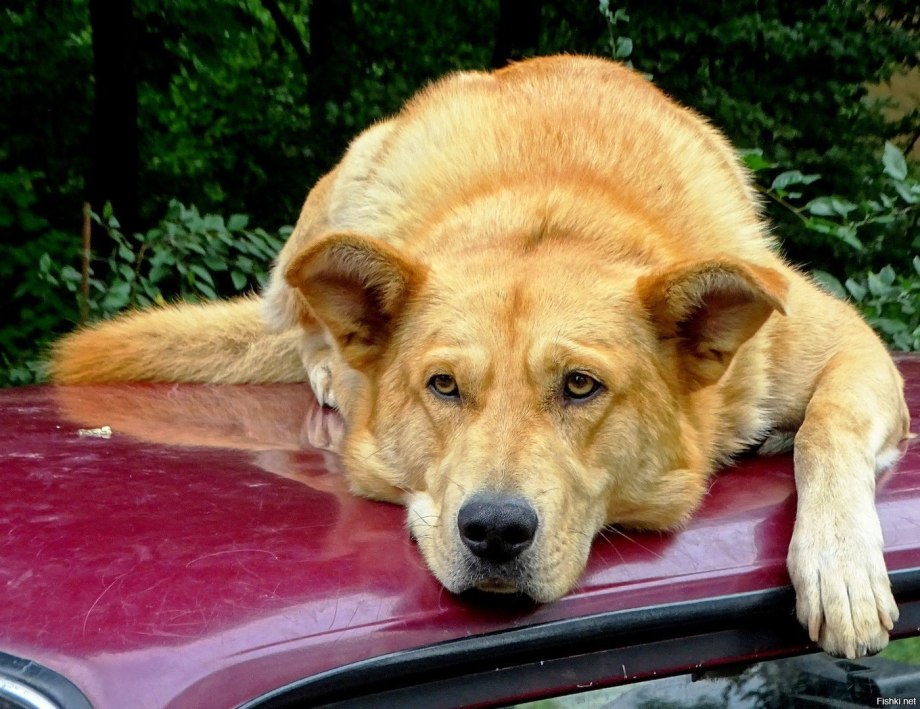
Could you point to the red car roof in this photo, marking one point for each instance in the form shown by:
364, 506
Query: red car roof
205, 553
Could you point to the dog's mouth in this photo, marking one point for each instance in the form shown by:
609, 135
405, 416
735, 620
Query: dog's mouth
499, 580
497, 585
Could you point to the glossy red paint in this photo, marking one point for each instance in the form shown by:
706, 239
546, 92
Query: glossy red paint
208, 551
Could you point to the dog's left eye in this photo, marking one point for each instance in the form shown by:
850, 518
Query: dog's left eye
444, 386
580, 386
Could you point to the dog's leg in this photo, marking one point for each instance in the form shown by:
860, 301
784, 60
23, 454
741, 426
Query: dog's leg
854, 421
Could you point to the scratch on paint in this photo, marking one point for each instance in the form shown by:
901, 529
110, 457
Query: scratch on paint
232, 551
101, 595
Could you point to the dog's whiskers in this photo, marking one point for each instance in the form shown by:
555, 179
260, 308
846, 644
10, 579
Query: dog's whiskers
546, 491
631, 539
425, 519
454, 482
609, 541
370, 455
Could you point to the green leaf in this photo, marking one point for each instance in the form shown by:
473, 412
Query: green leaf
126, 272
202, 273
894, 162
820, 207
857, 290
162, 257
877, 285
846, 234
887, 275
152, 236
792, 177
829, 283
213, 222
753, 159
917, 265
907, 194
215, 264
116, 298
196, 248
71, 275
889, 326
239, 279
237, 222
206, 290
842, 206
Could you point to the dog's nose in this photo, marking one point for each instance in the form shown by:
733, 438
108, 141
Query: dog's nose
497, 527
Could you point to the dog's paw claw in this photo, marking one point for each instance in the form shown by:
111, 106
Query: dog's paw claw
843, 596
320, 375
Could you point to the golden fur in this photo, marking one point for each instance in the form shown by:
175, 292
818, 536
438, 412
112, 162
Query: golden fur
501, 246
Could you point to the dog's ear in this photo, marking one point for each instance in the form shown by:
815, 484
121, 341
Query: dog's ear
710, 309
356, 287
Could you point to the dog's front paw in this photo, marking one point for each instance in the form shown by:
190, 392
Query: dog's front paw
843, 596
319, 360
320, 375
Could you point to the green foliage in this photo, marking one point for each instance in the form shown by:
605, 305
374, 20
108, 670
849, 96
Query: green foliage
187, 255
238, 113
792, 77
223, 110
877, 225
904, 650
39, 309
45, 104
619, 46
889, 301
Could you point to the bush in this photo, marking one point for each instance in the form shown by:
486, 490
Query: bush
889, 301
187, 255
793, 78
877, 221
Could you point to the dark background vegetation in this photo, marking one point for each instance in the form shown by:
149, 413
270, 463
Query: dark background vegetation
237, 106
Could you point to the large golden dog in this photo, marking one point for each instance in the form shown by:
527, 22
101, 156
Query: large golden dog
544, 301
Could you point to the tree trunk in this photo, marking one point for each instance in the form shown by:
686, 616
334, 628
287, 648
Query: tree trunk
289, 33
114, 139
333, 64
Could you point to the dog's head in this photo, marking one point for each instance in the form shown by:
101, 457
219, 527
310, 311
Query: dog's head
518, 402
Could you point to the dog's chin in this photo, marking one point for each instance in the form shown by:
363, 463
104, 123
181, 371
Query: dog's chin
515, 579
475, 580
506, 588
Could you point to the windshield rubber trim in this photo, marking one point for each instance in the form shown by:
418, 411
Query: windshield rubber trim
25, 683
764, 619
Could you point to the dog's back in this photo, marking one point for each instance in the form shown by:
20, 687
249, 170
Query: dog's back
552, 120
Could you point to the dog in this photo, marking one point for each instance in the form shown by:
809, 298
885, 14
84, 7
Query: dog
545, 301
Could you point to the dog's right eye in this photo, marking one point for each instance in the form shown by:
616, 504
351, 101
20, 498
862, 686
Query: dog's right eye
444, 386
